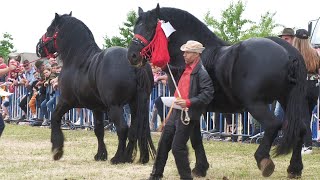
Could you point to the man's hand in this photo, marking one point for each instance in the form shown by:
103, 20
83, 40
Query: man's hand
181, 102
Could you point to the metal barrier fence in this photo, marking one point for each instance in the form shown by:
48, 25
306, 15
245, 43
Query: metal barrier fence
212, 124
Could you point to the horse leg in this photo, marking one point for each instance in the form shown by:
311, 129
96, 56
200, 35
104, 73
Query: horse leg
102, 153
262, 113
116, 116
295, 168
202, 165
131, 150
57, 138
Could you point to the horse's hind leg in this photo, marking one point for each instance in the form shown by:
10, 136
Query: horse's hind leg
295, 168
57, 138
262, 113
116, 115
131, 149
102, 153
202, 165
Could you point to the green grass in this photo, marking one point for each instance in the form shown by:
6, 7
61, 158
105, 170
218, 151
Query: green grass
26, 154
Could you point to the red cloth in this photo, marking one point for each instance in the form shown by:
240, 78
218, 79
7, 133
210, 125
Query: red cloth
184, 83
157, 49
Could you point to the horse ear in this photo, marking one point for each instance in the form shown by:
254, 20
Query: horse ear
70, 14
56, 17
158, 10
140, 11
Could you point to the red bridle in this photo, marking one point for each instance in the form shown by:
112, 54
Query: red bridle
46, 40
141, 39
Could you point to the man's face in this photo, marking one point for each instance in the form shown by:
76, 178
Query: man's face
27, 66
190, 57
54, 69
289, 39
52, 61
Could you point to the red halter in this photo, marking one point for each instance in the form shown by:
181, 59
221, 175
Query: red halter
157, 49
46, 40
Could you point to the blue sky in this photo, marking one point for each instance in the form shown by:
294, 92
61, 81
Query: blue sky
27, 21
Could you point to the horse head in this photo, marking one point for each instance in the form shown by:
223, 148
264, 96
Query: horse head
47, 45
144, 32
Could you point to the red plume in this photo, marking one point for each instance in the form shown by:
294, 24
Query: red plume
157, 49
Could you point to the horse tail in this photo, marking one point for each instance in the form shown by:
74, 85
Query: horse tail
296, 106
144, 88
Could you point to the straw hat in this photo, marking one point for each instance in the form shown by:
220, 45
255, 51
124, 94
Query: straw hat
192, 46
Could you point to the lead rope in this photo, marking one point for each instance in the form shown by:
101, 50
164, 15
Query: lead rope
186, 120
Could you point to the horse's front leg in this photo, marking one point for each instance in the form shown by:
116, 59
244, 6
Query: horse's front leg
102, 153
57, 138
116, 115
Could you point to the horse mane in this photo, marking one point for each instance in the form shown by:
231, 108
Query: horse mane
188, 27
75, 40
187, 22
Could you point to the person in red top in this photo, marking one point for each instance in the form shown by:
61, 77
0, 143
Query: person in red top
195, 93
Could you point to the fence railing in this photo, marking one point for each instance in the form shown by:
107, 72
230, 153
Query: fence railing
212, 124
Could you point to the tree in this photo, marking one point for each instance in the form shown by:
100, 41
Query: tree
233, 27
6, 46
126, 33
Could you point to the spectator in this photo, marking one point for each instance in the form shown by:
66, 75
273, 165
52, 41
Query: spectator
2, 73
312, 61
287, 35
160, 81
27, 79
43, 107
52, 99
33, 100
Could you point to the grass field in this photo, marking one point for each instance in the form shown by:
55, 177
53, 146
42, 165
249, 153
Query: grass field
26, 154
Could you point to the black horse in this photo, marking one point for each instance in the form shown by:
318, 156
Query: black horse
247, 76
100, 80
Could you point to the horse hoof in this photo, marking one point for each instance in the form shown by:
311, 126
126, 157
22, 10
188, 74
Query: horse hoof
144, 160
57, 153
292, 175
100, 157
267, 167
116, 160
198, 172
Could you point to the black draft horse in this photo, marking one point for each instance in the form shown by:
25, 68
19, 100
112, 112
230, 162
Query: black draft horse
100, 80
247, 76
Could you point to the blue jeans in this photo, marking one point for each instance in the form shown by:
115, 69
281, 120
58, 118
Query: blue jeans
51, 103
1, 124
43, 110
278, 112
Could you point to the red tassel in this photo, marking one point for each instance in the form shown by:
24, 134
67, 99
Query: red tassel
157, 49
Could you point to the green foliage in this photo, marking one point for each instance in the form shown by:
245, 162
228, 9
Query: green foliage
233, 27
263, 28
126, 33
6, 46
